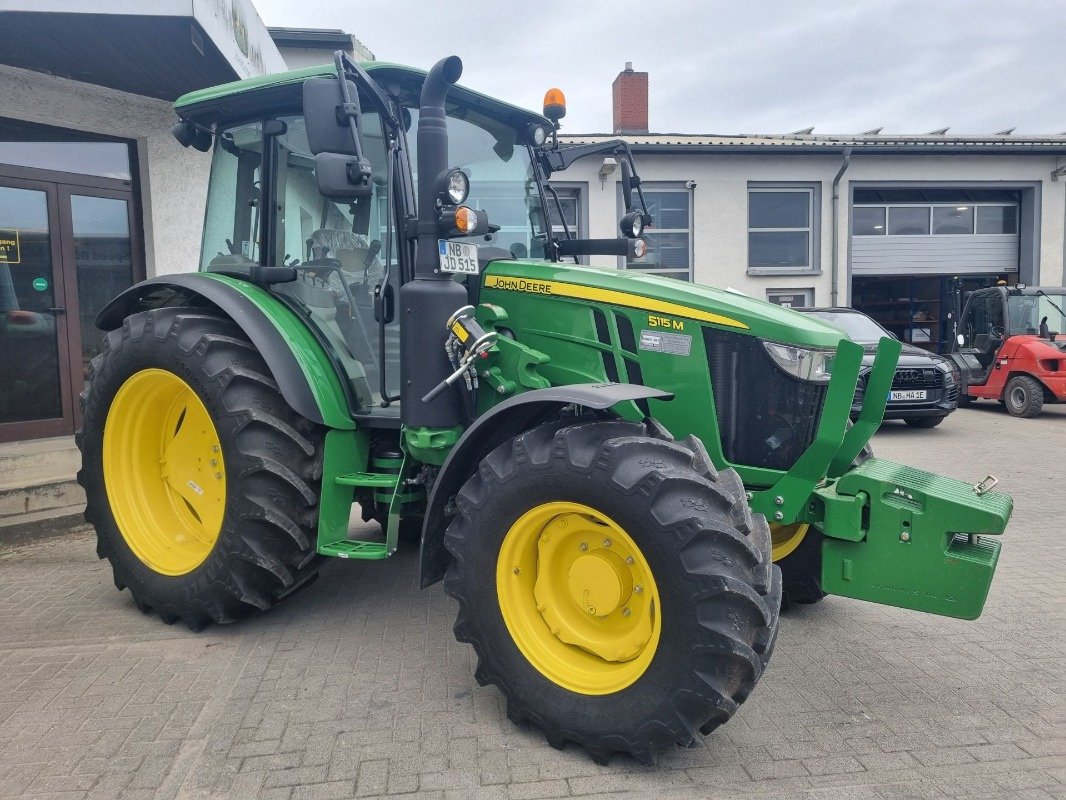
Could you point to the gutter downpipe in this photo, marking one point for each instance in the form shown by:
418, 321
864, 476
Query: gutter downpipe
834, 268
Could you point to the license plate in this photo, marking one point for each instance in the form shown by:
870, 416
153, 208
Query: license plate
907, 394
457, 257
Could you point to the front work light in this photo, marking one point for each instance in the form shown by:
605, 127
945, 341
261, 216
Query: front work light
814, 366
455, 186
632, 225
640, 248
537, 135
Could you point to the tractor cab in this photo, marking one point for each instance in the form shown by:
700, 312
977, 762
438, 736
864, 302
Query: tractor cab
1011, 347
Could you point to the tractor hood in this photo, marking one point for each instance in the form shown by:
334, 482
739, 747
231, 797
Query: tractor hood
662, 296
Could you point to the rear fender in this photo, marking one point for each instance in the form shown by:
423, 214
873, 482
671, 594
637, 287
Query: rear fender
306, 376
489, 431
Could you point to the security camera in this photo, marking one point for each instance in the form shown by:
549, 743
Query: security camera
690, 184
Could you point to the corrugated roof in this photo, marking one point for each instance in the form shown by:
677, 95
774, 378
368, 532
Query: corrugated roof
815, 142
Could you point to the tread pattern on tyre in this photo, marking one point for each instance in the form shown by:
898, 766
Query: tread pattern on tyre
1033, 403
265, 551
722, 570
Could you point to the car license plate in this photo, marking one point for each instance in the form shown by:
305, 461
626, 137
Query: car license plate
458, 257
907, 394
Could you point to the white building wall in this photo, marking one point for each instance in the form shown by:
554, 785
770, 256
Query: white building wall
720, 202
173, 179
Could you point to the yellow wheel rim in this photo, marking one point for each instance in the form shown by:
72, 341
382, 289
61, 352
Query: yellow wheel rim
164, 473
786, 538
578, 598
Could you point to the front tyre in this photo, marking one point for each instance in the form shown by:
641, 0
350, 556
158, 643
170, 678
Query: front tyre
614, 585
201, 482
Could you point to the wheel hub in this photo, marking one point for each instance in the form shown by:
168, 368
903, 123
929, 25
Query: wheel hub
590, 588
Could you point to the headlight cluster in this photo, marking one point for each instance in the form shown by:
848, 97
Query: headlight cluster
814, 366
952, 375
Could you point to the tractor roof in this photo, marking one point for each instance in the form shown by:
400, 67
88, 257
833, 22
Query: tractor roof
232, 100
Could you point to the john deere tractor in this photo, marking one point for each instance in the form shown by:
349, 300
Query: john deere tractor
388, 312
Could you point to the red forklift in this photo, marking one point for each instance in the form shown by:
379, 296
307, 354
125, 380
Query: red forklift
1010, 345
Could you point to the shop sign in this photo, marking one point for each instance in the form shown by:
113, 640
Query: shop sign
9, 246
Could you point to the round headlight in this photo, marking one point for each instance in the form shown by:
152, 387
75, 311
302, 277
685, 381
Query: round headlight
538, 135
632, 225
456, 186
640, 248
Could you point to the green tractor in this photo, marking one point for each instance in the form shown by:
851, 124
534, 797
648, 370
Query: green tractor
386, 315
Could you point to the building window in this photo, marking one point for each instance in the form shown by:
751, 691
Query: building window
997, 219
868, 221
568, 204
908, 221
952, 220
791, 298
781, 229
669, 236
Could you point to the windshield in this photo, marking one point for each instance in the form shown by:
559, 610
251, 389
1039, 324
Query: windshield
1026, 311
501, 176
859, 327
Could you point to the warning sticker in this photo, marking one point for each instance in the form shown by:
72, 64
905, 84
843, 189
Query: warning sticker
676, 344
9, 247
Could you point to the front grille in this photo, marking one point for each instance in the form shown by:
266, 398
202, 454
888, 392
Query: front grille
917, 378
766, 418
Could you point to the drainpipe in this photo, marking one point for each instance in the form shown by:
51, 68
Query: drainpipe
836, 223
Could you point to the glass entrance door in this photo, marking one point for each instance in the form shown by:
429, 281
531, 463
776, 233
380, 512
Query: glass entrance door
35, 399
65, 251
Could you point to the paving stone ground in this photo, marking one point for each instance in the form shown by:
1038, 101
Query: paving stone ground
356, 688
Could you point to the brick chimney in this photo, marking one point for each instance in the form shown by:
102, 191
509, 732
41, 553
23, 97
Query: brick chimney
630, 94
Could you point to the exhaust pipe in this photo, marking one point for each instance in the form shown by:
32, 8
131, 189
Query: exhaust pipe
428, 301
432, 160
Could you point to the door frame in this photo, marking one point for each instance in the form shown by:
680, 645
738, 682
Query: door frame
62, 425
58, 188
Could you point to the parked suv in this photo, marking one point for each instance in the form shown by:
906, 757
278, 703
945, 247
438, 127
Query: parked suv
926, 386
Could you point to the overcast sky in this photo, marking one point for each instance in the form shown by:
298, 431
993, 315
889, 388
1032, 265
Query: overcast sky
747, 66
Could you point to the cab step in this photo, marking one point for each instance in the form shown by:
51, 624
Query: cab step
368, 480
356, 549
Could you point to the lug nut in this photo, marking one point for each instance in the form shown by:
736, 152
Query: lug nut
517, 571
638, 589
583, 546
626, 612
540, 606
630, 560
607, 542
904, 537
214, 448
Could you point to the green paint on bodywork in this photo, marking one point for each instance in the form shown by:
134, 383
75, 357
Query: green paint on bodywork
314, 363
919, 540
430, 445
406, 81
764, 320
346, 453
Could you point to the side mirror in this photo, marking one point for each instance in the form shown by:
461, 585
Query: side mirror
627, 185
342, 177
328, 130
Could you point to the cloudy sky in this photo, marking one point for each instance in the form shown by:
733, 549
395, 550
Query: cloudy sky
754, 66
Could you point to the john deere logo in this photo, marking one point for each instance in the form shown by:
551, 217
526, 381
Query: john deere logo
240, 29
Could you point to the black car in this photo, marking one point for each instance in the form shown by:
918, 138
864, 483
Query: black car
925, 388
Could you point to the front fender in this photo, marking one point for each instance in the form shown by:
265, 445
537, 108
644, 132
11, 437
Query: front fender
305, 374
493, 428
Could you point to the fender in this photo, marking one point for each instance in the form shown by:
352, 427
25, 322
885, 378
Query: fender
306, 376
493, 428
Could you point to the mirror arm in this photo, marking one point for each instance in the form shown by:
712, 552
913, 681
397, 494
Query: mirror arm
345, 66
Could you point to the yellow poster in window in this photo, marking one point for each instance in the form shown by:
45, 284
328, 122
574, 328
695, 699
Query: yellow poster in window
9, 247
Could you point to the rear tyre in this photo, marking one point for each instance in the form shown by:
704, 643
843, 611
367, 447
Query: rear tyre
923, 422
1023, 396
201, 482
614, 585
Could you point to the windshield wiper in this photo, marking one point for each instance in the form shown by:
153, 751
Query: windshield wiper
1045, 295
